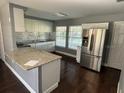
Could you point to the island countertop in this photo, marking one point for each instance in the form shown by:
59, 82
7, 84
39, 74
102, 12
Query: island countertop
23, 55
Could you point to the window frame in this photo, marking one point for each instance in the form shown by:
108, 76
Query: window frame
75, 37
61, 36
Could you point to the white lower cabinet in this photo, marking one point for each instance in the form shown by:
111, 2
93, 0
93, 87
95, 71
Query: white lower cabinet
47, 46
33, 45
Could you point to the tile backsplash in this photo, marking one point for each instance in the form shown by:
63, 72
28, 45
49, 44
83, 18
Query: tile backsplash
31, 36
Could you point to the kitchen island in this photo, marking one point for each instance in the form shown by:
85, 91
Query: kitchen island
38, 70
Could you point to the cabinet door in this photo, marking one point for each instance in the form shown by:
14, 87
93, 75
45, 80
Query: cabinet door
36, 26
51, 46
19, 20
48, 46
28, 25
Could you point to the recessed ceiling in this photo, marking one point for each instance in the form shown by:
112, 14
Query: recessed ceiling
74, 8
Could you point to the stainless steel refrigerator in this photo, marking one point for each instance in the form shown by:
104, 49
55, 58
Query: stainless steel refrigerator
92, 48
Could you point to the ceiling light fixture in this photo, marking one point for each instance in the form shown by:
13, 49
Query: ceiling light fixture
60, 14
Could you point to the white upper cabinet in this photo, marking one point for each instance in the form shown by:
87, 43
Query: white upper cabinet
32, 25
19, 20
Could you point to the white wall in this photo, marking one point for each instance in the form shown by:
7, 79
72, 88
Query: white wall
2, 2
1, 44
116, 55
6, 27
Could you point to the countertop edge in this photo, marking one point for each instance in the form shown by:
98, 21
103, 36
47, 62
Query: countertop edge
31, 67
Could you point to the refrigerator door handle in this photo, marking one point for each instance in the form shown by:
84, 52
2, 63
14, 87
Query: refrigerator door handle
91, 43
89, 40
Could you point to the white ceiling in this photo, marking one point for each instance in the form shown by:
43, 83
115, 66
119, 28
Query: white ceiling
74, 8
2, 2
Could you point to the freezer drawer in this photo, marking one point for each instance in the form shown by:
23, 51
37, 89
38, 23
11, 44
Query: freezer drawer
91, 62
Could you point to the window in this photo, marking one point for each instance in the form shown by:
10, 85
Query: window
75, 37
61, 36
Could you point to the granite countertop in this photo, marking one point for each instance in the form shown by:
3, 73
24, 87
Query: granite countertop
24, 55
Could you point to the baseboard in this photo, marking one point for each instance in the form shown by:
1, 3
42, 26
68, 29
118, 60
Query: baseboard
68, 54
51, 88
111, 67
20, 78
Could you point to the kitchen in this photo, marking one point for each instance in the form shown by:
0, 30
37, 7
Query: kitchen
35, 35
39, 34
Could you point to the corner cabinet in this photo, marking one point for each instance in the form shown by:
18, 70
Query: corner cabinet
19, 20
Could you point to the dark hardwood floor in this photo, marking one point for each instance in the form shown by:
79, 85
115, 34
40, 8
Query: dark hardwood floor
74, 79
8, 82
